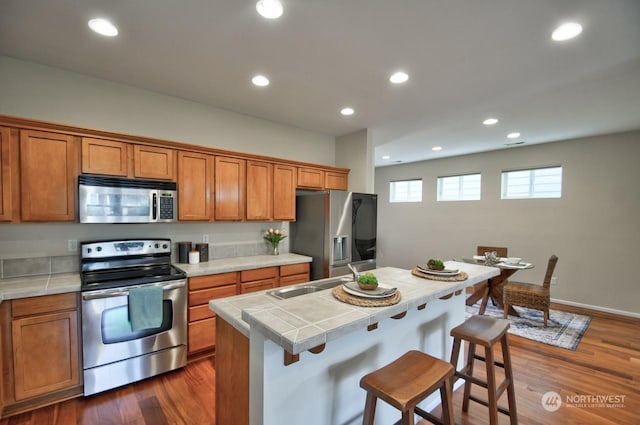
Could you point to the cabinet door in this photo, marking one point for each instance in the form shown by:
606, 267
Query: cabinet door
195, 178
229, 188
105, 157
284, 192
310, 178
5, 174
335, 180
48, 174
45, 354
202, 335
259, 190
154, 162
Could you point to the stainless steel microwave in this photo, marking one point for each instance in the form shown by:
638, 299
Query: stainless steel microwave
118, 200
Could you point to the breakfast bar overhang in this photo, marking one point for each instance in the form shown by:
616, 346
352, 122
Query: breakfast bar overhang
300, 360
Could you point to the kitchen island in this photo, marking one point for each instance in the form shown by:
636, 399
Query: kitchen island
300, 360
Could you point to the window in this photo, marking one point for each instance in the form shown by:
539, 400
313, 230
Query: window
459, 188
405, 191
533, 183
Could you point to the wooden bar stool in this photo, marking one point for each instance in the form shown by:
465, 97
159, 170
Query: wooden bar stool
407, 381
485, 331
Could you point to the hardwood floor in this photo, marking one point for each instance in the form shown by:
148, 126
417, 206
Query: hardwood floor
607, 362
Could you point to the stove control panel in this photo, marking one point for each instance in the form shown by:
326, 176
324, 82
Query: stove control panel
125, 248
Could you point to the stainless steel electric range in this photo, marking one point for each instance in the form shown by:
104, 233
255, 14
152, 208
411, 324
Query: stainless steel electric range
113, 353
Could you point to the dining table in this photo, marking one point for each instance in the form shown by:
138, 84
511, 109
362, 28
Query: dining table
492, 288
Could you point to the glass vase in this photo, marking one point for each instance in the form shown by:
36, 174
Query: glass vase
274, 249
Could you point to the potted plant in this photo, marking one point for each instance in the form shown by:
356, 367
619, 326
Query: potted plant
367, 281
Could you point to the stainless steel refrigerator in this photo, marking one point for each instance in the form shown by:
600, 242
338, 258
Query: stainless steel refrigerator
335, 228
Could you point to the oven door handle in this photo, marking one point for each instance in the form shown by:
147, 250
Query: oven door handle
121, 293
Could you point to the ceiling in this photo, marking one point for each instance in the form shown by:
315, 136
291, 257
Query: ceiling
467, 60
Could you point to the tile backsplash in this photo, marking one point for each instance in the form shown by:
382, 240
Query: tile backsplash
17, 267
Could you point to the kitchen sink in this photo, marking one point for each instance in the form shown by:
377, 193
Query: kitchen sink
307, 288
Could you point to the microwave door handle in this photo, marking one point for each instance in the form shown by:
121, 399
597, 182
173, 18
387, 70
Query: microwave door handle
154, 206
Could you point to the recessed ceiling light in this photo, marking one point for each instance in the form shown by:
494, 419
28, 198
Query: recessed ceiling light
270, 9
490, 121
566, 31
386, 157
347, 111
436, 148
103, 27
514, 135
514, 143
399, 77
260, 81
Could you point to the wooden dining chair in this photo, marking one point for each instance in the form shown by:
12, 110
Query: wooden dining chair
530, 295
499, 250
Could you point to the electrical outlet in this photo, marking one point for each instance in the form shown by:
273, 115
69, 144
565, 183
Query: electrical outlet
205, 238
554, 280
72, 245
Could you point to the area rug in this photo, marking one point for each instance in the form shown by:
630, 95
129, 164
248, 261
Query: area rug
564, 329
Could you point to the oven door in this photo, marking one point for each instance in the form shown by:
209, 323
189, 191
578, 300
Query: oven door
106, 330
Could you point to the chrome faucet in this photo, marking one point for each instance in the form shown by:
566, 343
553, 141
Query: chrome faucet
356, 275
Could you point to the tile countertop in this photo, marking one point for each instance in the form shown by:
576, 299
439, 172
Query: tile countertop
33, 286
300, 323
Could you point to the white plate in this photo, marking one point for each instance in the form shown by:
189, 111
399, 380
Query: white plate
519, 265
445, 272
353, 289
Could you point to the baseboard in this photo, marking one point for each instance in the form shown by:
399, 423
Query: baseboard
611, 311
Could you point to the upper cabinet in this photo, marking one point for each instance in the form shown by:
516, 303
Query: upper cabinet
259, 190
315, 178
105, 157
48, 176
154, 162
195, 182
335, 180
5, 174
229, 188
310, 178
284, 192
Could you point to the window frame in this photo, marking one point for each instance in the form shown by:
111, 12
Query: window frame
440, 181
504, 184
408, 200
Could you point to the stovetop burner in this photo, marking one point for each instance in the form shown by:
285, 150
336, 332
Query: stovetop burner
118, 263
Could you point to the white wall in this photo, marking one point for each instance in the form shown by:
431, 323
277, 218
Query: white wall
29, 90
355, 151
594, 228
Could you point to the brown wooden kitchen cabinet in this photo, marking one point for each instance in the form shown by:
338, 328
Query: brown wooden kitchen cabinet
229, 190
48, 176
284, 192
195, 182
310, 178
292, 274
258, 279
259, 190
6, 193
100, 156
202, 323
335, 180
41, 359
154, 162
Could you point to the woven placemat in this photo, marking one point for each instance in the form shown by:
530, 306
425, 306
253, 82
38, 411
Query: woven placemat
455, 278
340, 294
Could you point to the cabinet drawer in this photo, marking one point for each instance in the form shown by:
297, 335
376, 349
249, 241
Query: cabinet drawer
212, 280
290, 269
204, 295
202, 335
200, 312
259, 285
294, 279
258, 274
43, 304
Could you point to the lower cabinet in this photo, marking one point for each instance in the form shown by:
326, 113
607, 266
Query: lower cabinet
202, 332
41, 351
202, 329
